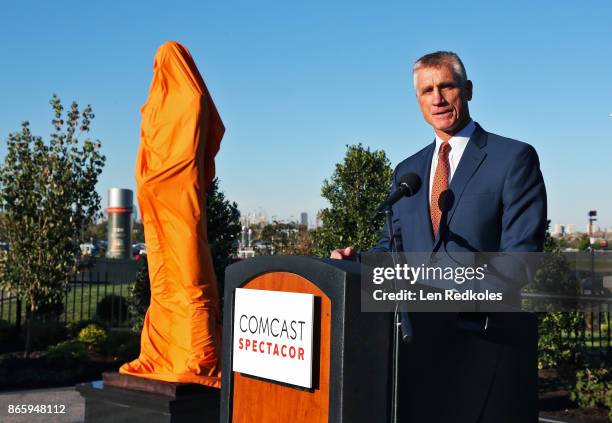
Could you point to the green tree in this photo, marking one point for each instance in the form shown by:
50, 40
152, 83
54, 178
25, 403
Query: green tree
223, 230
48, 198
139, 296
138, 232
583, 243
280, 235
284, 238
96, 230
558, 331
302, 243
358, 185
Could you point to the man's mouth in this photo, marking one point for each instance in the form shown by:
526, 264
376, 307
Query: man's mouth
445, 113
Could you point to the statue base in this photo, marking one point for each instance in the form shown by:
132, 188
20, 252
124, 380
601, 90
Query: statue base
119, 398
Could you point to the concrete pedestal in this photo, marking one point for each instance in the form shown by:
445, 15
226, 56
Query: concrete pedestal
128, 399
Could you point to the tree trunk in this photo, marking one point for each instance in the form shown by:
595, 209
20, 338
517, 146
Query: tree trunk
28, 340
18, 316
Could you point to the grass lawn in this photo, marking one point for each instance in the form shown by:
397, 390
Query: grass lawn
82, 300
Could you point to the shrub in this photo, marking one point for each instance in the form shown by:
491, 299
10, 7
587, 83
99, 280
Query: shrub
45, 333
93, 337
140, 296
67, 352
74, 328
7, 331
112, 309
123, 345
50, 311
130, 350
558, 341
603, 328
593, 388
558, 332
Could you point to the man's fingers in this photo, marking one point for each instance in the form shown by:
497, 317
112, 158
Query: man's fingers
341, 253
336, 255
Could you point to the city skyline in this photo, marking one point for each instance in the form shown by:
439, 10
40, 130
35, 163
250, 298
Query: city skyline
294, 84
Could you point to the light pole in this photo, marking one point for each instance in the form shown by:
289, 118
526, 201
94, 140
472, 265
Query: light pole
592, 219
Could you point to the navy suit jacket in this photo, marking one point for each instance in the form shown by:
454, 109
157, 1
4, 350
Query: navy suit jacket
496, 203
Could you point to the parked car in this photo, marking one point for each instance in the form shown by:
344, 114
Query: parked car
139, 248
88, 249
101, 245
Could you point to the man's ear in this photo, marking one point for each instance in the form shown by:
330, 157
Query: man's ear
468, 89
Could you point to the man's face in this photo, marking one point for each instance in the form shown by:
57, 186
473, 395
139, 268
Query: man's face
442, 99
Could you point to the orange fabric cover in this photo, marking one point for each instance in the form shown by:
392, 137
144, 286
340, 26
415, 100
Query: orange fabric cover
180, 136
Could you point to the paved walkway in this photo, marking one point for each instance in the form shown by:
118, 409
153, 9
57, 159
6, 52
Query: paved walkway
50, 401
70, 401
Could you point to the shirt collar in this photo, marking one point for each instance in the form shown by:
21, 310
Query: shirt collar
460, 139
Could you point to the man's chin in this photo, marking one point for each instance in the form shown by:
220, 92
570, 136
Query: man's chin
444, 122
447, 128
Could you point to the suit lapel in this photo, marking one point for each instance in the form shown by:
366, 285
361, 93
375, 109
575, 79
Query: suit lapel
471, 159
423, 210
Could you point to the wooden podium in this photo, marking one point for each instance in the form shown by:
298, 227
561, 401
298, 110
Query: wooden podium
350, 367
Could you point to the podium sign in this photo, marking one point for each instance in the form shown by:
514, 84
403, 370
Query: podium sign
273, 333
296, 346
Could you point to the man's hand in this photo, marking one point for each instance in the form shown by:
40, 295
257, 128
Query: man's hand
342, 253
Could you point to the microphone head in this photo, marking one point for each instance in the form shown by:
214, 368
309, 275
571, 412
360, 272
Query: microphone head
411, 181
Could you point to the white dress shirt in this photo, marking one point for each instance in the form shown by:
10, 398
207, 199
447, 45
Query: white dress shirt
458, 143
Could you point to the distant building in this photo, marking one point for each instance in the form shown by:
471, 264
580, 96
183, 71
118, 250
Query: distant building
600, 232
246, 236
304, 219
246, 253
258, 218
243, 237
570, 229
558, 230
592, 229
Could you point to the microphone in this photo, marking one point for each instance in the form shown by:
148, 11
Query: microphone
408, 185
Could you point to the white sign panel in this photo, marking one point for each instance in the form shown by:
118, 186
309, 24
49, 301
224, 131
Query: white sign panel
273, 335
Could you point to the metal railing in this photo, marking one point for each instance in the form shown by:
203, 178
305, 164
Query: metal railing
90, 295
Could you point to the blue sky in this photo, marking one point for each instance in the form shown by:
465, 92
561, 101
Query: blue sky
294, 83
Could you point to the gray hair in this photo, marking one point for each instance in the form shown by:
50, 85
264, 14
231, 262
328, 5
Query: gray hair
438, 59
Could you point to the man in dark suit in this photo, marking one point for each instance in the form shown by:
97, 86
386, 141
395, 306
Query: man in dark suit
481, 193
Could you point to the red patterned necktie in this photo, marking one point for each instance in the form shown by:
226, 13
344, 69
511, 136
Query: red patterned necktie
440, 184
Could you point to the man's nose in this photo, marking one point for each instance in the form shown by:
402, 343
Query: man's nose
438, 99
